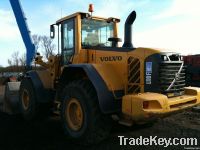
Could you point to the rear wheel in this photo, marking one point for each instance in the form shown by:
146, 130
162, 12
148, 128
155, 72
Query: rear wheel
27, 100
81, 116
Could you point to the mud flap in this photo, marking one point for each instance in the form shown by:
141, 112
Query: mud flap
11, 98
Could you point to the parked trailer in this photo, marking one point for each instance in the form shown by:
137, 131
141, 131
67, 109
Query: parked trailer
192, 63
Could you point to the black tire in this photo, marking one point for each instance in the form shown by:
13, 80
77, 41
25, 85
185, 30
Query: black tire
27, 109
95, 126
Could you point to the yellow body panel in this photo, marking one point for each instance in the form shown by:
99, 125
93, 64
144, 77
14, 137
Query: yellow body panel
111, 77
46, 78
113, 72
158, 104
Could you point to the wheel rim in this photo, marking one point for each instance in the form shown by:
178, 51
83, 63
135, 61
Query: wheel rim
74, 114
25, 99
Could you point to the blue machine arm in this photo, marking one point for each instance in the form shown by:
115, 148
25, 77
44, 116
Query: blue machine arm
25, 33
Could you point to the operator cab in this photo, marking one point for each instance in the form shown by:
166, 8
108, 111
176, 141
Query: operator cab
95, 31
83, 31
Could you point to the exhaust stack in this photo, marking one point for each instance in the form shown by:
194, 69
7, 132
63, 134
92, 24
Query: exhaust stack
128, 30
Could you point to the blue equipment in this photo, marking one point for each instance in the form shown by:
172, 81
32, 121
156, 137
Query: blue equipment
25, 33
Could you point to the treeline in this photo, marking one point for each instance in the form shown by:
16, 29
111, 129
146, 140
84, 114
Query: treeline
17, 62
12, 69
44, 44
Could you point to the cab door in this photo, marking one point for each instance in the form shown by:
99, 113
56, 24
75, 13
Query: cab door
68, 41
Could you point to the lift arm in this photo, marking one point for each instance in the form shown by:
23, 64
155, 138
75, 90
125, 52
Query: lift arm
25, 33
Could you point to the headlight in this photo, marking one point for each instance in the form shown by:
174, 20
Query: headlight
164, 58
153, 104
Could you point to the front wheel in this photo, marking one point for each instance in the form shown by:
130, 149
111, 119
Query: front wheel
27, 100
81, 116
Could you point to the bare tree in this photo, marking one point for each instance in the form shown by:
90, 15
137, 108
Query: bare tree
17, 62
10, 62
39, 41
36, 41
22, 60
15, 58
49, 47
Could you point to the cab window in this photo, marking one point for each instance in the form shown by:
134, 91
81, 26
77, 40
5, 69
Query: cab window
96, 32
68, 40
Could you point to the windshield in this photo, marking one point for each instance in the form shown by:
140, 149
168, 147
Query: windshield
96, 32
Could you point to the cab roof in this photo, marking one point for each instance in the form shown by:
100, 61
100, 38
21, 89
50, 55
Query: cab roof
82, 13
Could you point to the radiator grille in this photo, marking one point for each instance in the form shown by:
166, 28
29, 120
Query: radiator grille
172, 78
133, 75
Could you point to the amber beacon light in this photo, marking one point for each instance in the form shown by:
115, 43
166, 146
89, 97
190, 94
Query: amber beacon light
91, 8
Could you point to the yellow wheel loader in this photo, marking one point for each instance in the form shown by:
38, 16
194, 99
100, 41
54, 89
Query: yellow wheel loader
93, 80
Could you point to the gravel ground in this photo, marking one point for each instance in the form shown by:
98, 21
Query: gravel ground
16, 134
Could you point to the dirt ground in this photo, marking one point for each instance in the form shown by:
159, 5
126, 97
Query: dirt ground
16, 134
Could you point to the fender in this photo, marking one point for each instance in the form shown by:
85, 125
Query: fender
42, 95
107, 103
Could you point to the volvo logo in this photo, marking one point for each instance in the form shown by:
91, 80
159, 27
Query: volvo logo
177, 76
111, 58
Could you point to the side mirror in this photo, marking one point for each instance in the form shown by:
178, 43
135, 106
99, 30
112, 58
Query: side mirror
52, 31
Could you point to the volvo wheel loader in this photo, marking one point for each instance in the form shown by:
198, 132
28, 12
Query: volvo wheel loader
93, 80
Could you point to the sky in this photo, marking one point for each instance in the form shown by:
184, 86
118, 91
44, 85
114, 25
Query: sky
172, 25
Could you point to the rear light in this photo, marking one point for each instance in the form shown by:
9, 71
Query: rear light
145, 104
